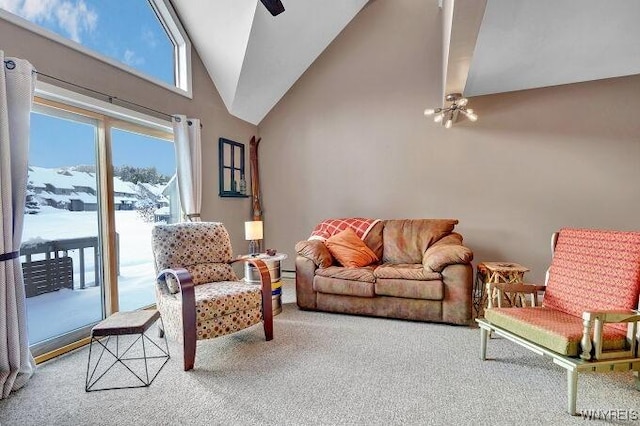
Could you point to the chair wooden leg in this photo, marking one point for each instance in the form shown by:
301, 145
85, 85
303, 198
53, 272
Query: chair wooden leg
268, 328
572, 390
484, 336
189, 354
637, 374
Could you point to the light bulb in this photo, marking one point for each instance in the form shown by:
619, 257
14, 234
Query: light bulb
448, 124
438, 118
470, 115
429, 111
462, 101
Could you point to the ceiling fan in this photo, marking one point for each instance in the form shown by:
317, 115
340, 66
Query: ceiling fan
275, 7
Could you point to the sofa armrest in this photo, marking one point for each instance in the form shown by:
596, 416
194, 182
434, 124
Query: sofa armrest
437, 257
305, 272
596, 320
315, 251
458, 287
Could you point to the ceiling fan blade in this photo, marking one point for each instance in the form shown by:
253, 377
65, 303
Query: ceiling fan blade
275, 7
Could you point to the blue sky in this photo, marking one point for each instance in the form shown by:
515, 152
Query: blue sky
125, 30
59, 143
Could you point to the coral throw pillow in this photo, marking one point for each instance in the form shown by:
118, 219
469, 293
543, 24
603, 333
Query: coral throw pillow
348, 249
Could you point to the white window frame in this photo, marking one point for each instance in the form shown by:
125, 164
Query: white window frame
74, 99
168, 19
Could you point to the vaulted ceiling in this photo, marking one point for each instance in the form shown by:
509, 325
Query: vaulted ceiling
489, 46
253, 57
514, 45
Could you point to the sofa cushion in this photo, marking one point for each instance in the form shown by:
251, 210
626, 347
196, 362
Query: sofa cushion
555, 330
364, 274
405, 241
594, 270
410, 289
348, 249
373, 239
406, 271
316, 251
343, 287
438, 257
329, 227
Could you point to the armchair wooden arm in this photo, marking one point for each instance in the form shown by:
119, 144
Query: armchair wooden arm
596, 320
265, 284
185, 283
520, 289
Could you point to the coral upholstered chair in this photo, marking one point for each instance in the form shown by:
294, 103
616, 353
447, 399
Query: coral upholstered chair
198, 294
589, 316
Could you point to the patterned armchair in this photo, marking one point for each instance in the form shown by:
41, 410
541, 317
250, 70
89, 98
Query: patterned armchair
589, 316
198, 294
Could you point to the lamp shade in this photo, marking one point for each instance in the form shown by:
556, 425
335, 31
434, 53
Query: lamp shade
253, 230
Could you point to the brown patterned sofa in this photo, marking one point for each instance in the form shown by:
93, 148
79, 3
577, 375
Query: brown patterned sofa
422, 273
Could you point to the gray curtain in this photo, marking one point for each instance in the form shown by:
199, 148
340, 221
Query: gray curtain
17, 84
188, 144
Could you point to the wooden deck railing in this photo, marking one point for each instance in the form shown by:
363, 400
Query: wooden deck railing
53, 267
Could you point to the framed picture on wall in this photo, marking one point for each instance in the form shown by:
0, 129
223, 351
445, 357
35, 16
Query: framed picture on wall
233, 182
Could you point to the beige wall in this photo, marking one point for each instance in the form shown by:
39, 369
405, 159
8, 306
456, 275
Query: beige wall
350, 139
60, 61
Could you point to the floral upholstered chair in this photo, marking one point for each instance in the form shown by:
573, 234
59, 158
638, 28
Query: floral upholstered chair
198, 294
589, 316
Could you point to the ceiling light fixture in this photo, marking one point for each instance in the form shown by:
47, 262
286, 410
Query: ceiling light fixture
448, 115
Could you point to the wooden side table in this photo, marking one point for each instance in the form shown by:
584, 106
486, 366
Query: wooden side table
488, 273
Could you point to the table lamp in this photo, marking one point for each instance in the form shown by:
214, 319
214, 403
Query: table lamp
253, 233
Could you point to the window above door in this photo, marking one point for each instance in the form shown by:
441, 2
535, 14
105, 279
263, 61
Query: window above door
143, 37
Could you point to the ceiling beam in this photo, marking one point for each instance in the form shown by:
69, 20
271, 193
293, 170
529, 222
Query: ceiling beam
461, 24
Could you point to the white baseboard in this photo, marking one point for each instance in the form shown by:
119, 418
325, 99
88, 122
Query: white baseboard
290, 275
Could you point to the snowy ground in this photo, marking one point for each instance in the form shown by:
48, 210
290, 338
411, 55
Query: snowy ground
58, 312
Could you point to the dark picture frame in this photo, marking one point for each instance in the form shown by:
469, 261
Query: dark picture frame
231, 166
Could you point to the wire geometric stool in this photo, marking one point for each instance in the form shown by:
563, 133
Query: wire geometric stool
119, 324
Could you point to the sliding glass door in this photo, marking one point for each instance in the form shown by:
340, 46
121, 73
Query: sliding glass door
143, 167
61, 254
96, 187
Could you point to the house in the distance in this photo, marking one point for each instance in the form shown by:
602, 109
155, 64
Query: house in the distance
73, 190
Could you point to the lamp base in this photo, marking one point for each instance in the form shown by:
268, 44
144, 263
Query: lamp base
254, 247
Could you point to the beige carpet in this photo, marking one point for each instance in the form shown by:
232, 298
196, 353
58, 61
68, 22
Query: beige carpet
328, 369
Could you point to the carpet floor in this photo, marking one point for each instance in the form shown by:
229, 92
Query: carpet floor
330, 369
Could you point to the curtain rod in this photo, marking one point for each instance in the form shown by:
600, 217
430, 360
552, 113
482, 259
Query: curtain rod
11, 65
111, 98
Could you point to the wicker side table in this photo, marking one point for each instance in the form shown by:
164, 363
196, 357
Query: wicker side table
494, 272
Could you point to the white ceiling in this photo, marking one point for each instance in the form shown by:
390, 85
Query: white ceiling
254, 58
526, 44
491, 46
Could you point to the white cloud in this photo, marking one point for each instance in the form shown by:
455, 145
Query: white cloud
149, 37
131, 58
10, 5
74, 17
38, 10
